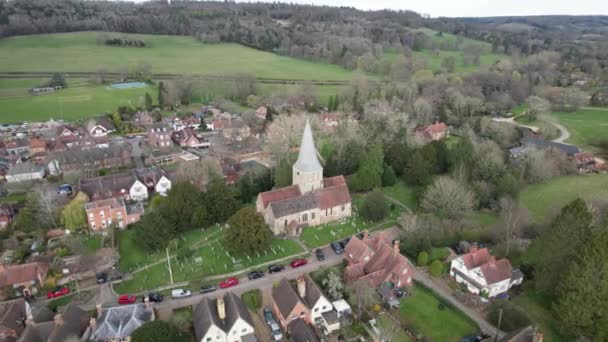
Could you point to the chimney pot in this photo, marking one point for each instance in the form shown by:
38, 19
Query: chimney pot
301, 287
396, 246
147, 302
93, 323
58, 319
365, 234
221, 308
99, 309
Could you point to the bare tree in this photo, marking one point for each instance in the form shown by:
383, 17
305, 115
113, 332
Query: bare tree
198, 172
448, 198
513, 219
362, 295
45, 205
285, 132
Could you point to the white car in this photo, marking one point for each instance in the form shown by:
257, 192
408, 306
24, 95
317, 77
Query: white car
180, 293
276, 332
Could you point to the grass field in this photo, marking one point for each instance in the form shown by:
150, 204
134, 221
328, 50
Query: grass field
420, 311
433, 60
543, 200
586, 126
165, 54
401, 193
79, 100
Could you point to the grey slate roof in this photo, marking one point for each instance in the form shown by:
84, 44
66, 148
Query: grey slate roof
312, 293
307, 158
205, 314
541, 143
75, 322
120, 321
24, 168
299, 331
38, 332
293, 205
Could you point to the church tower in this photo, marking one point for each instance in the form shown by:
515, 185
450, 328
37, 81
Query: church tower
307, 171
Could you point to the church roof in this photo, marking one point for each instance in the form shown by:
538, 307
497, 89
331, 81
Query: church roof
307, 159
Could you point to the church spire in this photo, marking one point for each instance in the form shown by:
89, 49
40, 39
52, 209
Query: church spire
307, 159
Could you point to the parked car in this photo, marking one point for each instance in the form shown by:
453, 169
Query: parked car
320, 255
126, 299
298, 263
345, 242
208, 288
153, 297
58, 292
102, 277
180, 293
230, 282
275, 268
255, 275
65, 190
268, 316
337, 248
277, 335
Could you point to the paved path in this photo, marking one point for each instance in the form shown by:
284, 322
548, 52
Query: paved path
426, 280
564, 133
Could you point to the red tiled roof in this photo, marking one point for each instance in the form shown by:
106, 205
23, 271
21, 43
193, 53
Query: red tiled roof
496, 271
279, 194
332, 197
17, 274
333, 181
433, 128
476, 258
37, 143
583, 158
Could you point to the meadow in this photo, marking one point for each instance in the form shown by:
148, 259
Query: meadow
586, 126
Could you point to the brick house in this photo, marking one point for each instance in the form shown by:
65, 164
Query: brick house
143, 120
188, 137
112, 211
159, 135
37, 146
433, 132
287, 305
28, 276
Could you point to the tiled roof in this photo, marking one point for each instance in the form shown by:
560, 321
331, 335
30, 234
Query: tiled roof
279, 194
16, 274
108, 186
312, 293
437, 127
120, 321
584, 158
299, 331
476, 258
333, 181
293, 205
496, 271
332, 197
285, 297
11, 314
205, 314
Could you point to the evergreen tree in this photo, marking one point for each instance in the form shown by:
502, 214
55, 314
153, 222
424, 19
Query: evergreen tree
419, 170
220, 200
369, 175
247, 232
283, 173
149, 103
162, 100
330, 103
388, 176
153, 232
374, 206
336, 103
184, 208
58, 80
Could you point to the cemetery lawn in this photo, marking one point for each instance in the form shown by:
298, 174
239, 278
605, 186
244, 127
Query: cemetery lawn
210, 258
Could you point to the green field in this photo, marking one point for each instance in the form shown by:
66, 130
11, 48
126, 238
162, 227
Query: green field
420, 311
543, 200
433, 60
586, 126
401, 193
165, 54
79, 100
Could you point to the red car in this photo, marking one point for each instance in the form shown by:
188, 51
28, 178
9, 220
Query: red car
58, 292
230, 282
126, 299
298, 262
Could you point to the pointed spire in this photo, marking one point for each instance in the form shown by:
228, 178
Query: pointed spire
307, 159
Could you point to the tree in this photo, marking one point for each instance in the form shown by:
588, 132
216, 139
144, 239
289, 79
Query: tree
513, 219
537, 106
153, 232
374, 206
162, 95
184, 208
513, 318
369, 175
448, 198
423, 259
155, 331
58, 80
247, 232
388, 176
362, 296
74, 215
449, 63
436, 268
421, 167
220, 201
283, 173
581, 307
197, 173
333, 285
149, 104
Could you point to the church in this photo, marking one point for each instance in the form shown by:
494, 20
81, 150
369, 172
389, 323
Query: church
310, 201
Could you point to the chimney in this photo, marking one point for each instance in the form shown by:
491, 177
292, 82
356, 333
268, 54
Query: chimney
93, 323
538, 336
99, 309
365, 234
396, 246
58, 319
474, 248
221, 308
301, 286
147, 302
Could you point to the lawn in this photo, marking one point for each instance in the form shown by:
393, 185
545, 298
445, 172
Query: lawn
13, 198
586, 126
421, 312
401, 193
77, 101
545, 199
391, 331
165, 54
93, 243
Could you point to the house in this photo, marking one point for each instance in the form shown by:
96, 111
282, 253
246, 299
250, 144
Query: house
261, 112
155, 179
118, 323
330, 121
81, 160
233, 169
17, 147
122, 185
72, 323
159, 135
310, 201
7, 215
433, 132
99, 126
27, 276
585, 162
224, 319
287, 305
37, 146
13, 316
143, 120
188, 137
236, 130
374, 260
482, 273
526, 334
532, 141
300, 331
179, 124
106, 212
22, 172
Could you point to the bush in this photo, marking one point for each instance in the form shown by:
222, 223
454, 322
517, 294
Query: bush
436, 268
253, 299
374, 206
388, 176
513, 317
155, 331
423, 258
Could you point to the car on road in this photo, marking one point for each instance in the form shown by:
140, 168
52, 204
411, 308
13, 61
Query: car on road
277, 335
255, 275
230, 282
337, 248
126, 299
65, 190
320, 255
298, 263
275, 268
180, 293
208, 288
58, 292
153, 297
268, 316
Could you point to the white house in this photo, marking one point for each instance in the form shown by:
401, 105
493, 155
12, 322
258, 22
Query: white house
24, 172
138, 191
225, 319
155, 179
99, 127
322, 312
482, 273
163, 186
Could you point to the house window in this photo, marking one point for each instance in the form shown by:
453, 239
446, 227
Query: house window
302, 313
305, 217
324, 307
208, 339
343, 207
312, 216
316, 309
244, 330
